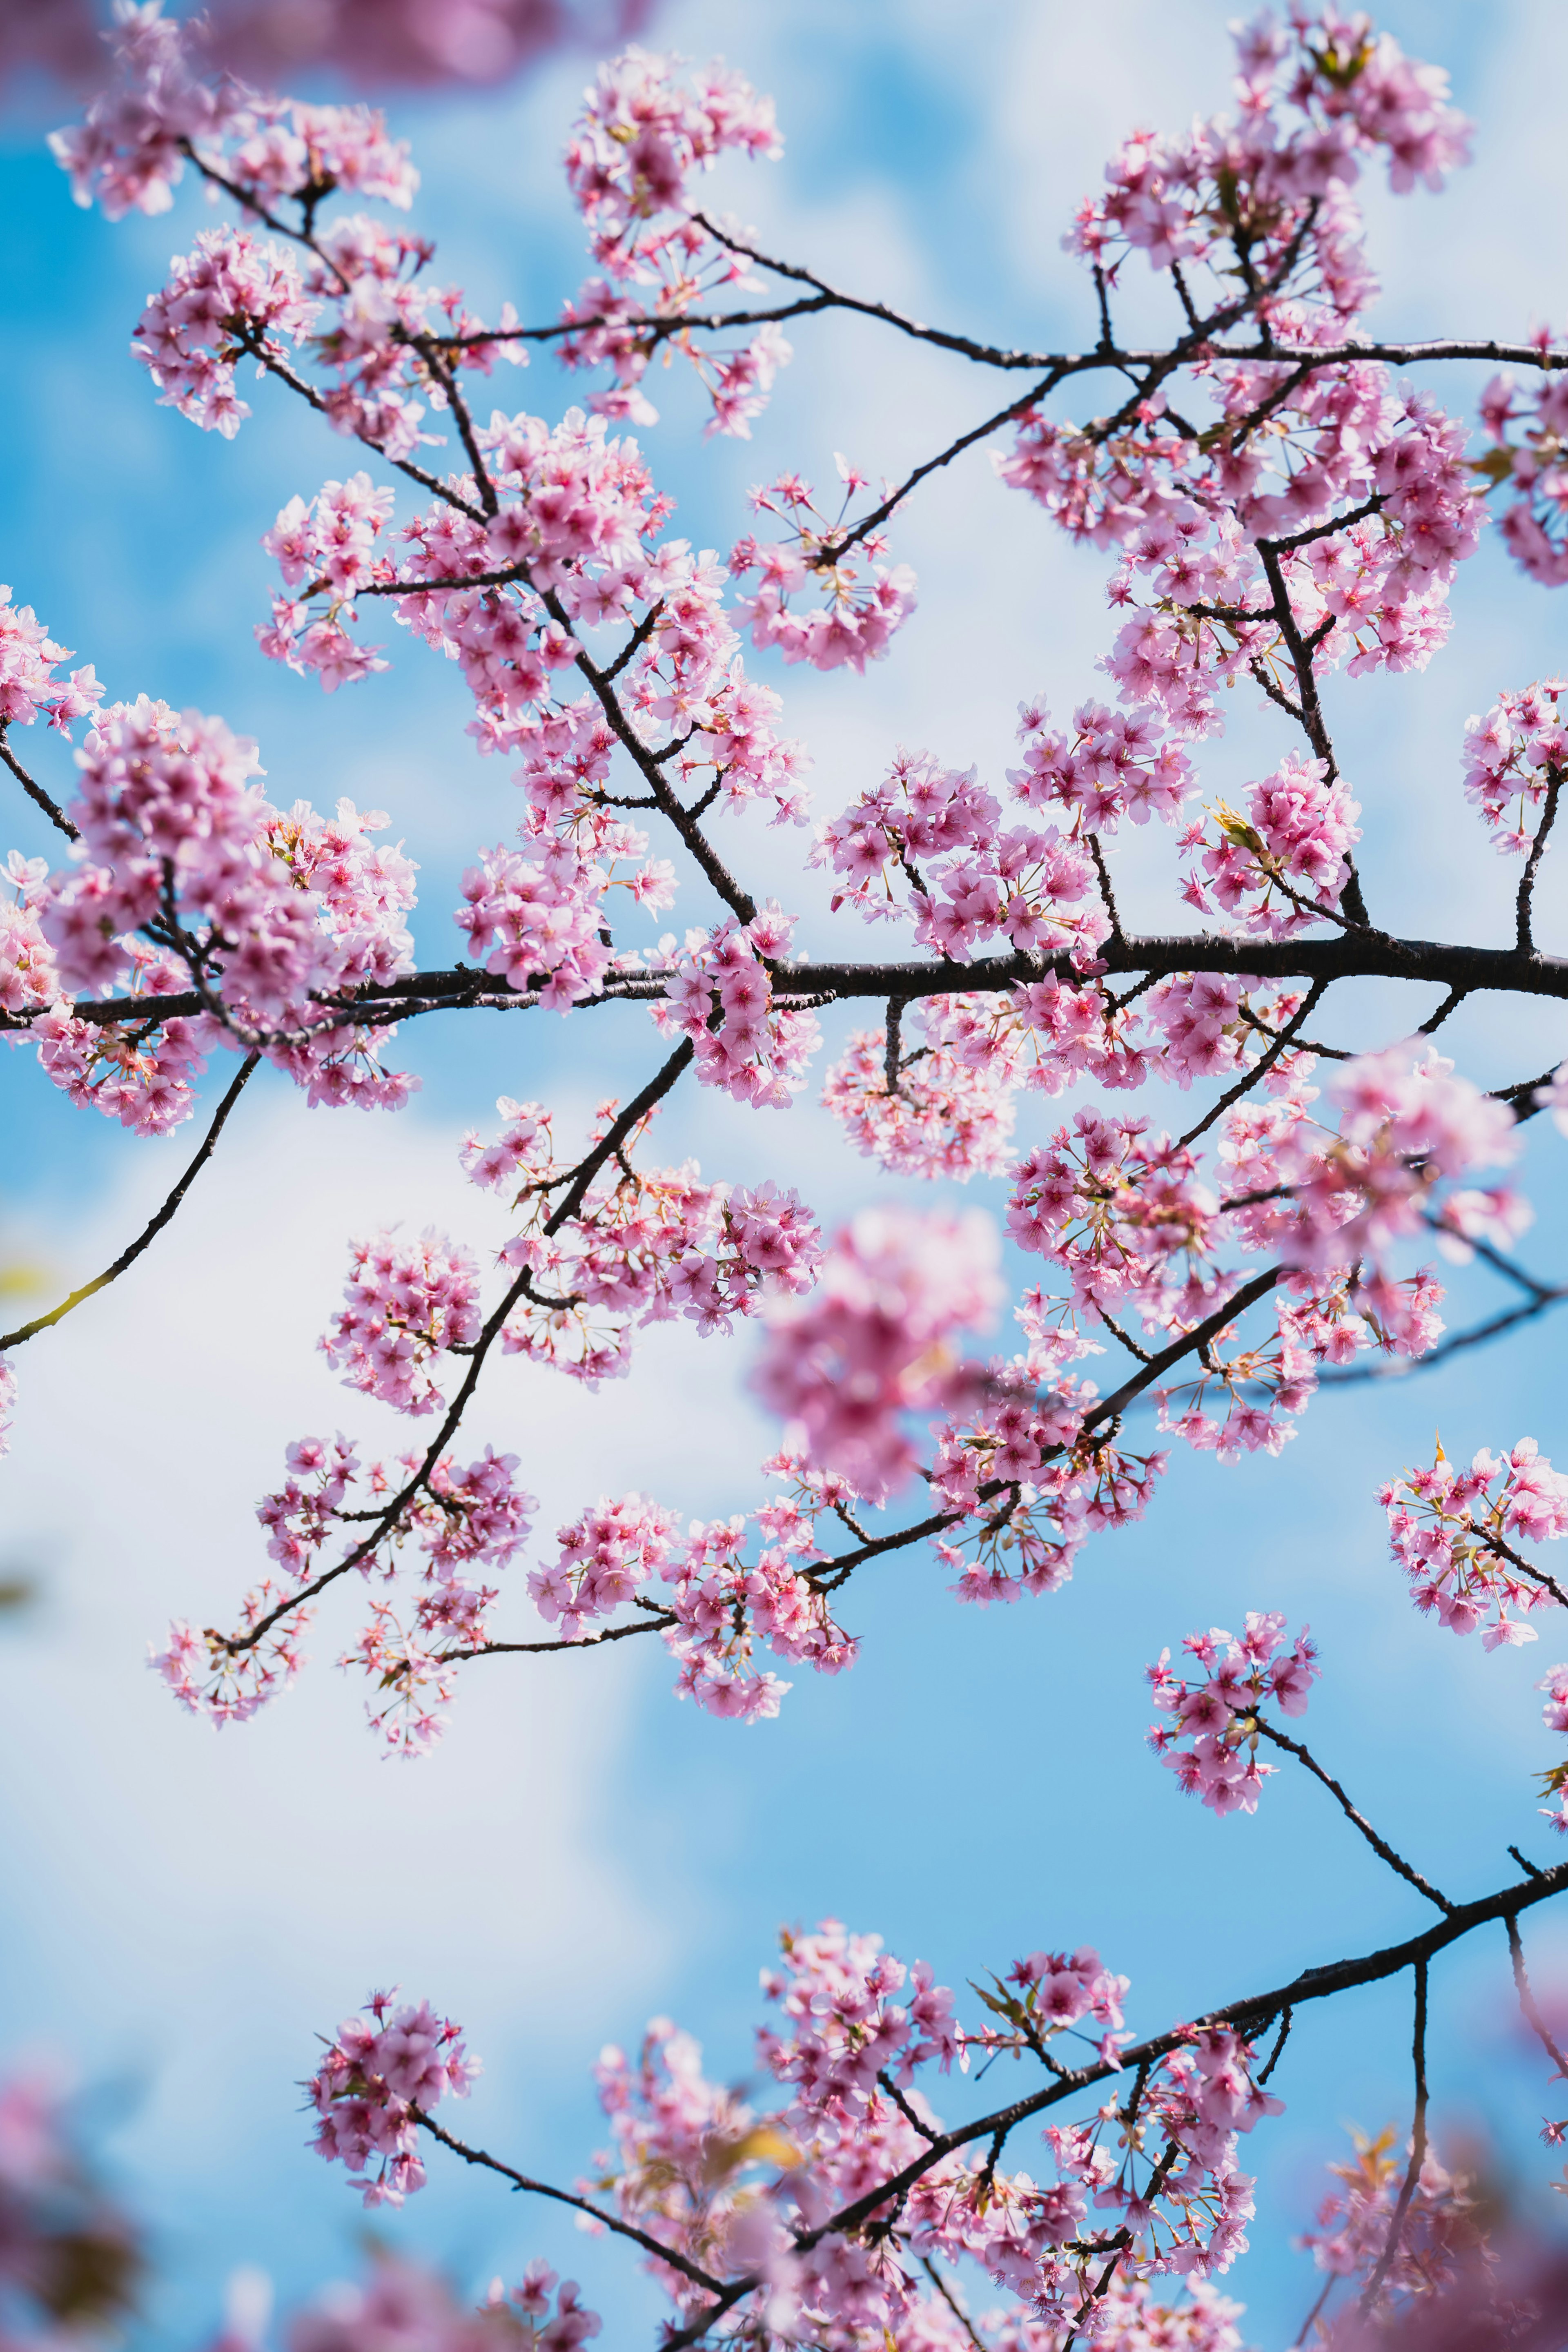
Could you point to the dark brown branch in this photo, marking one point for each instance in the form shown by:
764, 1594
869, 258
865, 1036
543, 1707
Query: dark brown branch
1379, 1845
1107, 895
1525, 937
36, 791
588, 1168
1247, 2016
1527, 2001
1418, 2143
676, 2261
1314, 724
1451, 1004
1278, 2052
892, 1044
150, 1232
1260, 1068
1356, 955
840, 543
583, 1642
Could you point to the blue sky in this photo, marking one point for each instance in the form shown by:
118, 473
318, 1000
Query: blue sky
189, 1911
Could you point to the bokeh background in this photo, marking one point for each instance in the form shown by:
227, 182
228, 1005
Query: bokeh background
185, 1911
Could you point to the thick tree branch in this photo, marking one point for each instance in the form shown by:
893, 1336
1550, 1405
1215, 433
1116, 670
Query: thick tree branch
1249, 2015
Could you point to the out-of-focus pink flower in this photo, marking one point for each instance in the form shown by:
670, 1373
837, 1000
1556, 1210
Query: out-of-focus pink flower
874, 1339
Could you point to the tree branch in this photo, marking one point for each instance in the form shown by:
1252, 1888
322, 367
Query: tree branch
150, 1232
1379, 1845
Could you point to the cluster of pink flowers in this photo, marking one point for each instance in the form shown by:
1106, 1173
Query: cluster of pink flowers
1113, 764
28, 656
541, 920
1209, 1740
1513, 758
164, 101
257, 911
642, 135
69, 2258
210, 1677
640, 1247
1318, 95
1287, 861
383, 2073
950, 1110
712, 2180
1555, 1716
229, 290
401, 2303
927, 844
724, 1608
873, 1341
408, 1303
1535, 525
1029, 1477
865, 604
461, 1522
1406, 1123
759, 1050
1441, 2226
1443, 1525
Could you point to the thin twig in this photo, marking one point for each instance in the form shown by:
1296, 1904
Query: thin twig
151, 1231
36, 791
1527, 2001
1417, 2145
1379, 1845
1260, 1068
588, 1168
1525, 940
477, 2156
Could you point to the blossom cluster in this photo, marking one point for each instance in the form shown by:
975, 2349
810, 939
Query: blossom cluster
934, 833
644, 134
721, 1609
874, 1341
408, 1302
164, 103
1449, 1529
720, 994
857, 2032
185, 882
458, 1523
641, 1245
1209, 1738
866, 601
1514, 760
946, 1110
1277, 868
382, 2074
28, 657
1442, 2223
1535, 523
69, 2257
1026, 1477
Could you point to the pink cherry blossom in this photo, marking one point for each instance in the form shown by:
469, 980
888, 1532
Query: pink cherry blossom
873, 1341
1209, 1738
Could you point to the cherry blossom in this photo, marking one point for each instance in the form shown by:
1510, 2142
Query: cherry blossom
384, 2071
1443, 1523
1210, 1737
873, 1341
